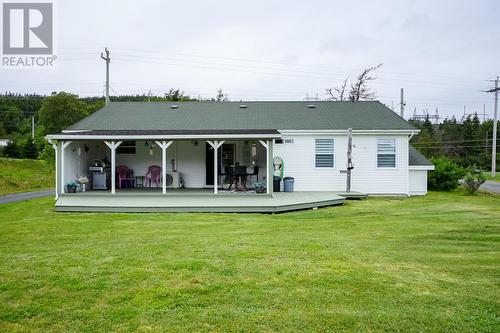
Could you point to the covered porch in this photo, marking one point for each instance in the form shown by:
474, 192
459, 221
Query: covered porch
159, 162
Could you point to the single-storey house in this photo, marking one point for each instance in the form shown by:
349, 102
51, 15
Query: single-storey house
219, 156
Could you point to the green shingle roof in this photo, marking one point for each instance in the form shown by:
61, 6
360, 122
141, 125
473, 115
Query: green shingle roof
417, 159
371, 115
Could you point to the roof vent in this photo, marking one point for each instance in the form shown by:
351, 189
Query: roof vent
174, 106
243, 106
311, 106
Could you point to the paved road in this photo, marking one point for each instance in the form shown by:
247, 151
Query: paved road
491, 186
25, 196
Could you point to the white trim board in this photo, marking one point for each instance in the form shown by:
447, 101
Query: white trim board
161, 137
345, 132
421, 167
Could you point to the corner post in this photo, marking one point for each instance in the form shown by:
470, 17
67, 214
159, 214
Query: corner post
164, 145
269, 172
270, 168
56, 155
64, 144
113, 145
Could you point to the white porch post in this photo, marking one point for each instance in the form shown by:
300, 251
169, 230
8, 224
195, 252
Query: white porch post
56, 155
268, 145
113, 145
164, 145
64, 144
270, 169
215, 145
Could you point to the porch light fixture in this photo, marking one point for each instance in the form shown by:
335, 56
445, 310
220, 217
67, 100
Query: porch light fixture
146, 143
243, 106
311, 106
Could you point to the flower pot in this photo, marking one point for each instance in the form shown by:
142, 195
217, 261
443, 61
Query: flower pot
71, 189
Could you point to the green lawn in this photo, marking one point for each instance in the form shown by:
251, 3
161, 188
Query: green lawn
488, 176
25, 175
384, 264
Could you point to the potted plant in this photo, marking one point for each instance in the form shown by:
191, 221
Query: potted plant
71, 186
83, 180
260, 187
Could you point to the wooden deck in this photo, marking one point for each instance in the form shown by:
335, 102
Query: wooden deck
194, 201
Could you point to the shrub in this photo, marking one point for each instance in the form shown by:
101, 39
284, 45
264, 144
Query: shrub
11, 150
29, 150
47, 153
445, 175
472, 180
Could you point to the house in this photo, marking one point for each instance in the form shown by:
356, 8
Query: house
4, 142
189, 156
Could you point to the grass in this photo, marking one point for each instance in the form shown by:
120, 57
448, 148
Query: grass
488, 176
18, 175
383, 264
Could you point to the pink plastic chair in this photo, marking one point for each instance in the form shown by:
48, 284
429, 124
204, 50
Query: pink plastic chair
124, 174
154, 175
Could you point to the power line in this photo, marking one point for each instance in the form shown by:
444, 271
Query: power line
453, 147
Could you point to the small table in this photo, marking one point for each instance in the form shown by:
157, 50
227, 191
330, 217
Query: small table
139, 181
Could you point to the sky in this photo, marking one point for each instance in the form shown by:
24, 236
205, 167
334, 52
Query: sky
443, 53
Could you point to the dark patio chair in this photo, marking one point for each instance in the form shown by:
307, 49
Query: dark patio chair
124, 175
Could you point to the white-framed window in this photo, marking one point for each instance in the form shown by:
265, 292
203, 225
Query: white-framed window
324, 153
386, 153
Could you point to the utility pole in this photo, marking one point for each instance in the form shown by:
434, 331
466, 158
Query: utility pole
402, 104
349, 159
494, 140
107, 59
32, 127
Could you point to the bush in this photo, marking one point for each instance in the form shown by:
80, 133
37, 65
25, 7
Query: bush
11, 150
445, 175
29, 150
472, 180
47, 153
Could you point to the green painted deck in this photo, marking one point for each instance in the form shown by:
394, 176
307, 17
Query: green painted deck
194, 201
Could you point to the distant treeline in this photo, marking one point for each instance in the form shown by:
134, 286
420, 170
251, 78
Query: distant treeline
57, 111
466, 142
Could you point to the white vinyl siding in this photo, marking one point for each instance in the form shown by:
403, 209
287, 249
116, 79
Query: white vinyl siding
300, 163
324, 153
418, 182
386, 153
